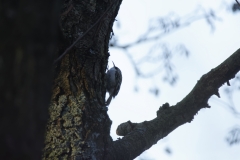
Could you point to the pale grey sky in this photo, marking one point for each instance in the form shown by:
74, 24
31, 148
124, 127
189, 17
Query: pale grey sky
204, 138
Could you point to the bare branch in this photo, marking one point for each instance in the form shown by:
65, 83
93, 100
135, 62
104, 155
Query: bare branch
234, 136
147, 133
160, 53
237, 2
163, 26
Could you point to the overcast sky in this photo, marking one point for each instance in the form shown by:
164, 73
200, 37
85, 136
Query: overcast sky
204, 138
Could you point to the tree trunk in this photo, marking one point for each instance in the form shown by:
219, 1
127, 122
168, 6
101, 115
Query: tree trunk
79, 127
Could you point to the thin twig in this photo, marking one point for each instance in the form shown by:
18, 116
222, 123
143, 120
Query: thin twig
237, 2
81, 36
183, 22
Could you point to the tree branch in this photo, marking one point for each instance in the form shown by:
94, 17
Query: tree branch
237, 2
164, 26
143, 135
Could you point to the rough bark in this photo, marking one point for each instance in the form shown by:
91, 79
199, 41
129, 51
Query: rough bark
28, 36
79, 127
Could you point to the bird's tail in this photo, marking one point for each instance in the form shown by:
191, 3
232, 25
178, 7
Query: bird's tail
108, 100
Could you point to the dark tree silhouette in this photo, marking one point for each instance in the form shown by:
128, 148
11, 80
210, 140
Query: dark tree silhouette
28, 40
78, 126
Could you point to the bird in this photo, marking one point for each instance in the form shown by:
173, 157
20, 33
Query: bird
113, 81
